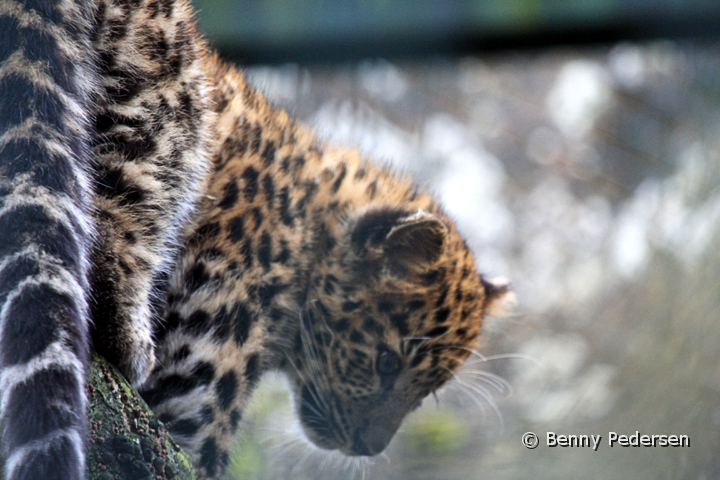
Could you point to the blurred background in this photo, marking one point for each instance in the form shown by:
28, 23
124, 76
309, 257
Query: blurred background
577, 144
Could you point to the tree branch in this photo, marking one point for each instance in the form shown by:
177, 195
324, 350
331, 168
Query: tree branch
126, 440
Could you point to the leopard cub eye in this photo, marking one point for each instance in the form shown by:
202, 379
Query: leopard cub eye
388, 362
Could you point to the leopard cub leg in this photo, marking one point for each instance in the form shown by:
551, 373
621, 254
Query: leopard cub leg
154, 131
200, 393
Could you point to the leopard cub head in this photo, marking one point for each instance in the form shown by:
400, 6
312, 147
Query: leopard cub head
393, 310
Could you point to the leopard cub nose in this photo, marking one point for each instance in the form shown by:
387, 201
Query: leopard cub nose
372, 440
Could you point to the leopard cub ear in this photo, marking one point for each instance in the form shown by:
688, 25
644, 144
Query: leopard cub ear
500, 300
417, 239
403, 238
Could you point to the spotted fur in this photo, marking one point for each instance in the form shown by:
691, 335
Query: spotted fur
155, 203
105, 136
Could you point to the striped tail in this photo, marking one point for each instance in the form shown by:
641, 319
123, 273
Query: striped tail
45, 235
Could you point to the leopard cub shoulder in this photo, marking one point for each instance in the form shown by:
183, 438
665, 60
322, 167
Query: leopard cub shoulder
309, 259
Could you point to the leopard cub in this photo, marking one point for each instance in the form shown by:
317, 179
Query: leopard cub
156, 209
308, 259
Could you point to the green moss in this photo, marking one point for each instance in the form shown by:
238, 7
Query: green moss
126, 439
